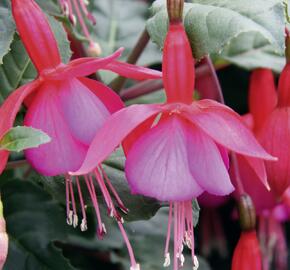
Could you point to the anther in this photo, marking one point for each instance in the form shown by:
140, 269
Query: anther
182, 259
84, 225
69, 219
75, 221
195, 263
167, 260
136, 267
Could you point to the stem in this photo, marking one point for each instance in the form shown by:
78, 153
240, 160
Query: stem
175, 10
142, 42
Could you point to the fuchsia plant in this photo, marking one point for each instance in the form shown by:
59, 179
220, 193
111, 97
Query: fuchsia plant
177, 150
68, 107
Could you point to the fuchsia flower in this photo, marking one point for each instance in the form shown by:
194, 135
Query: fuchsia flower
262, 101
274, 133
67, 106
177, 150
247, 254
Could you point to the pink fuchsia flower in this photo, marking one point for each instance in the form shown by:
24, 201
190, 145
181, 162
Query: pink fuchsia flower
177, 150
274, 133
61, 102
67, 106
252, 173
247, 254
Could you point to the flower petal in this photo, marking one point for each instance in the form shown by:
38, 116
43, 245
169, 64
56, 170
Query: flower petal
262, 95
82, 110
64, 153
283, 87
226, 128
157, 164
8, 112
36, 34
206, 163
258, 167
116, 128
136, 134
110, 99
247, 254
85, 66
178, 66
262, 198
132, 71
275, 137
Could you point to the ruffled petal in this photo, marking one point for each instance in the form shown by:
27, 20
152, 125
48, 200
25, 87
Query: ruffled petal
178, 66
206, 163
262, 95
110, 99
8, 112
116, 128
225, 127
85, 66
64, 153
36, 34
132, 71
157, 164
83, 111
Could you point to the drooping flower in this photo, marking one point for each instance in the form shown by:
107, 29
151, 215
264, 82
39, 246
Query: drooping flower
176, 150
247, 254
67, 106
252, 173
274, 131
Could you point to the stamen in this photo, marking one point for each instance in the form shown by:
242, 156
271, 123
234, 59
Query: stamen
75, 217
84, 219
84, 225
91, 189
182, 259
134, 265
69, 213
168, 230
69, 219
113, 190
167, 260
195, 263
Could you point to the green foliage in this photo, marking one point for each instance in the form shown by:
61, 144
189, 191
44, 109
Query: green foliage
7, 29
231, 29
16, 68
21, 138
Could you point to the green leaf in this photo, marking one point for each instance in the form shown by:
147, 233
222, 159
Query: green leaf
34, 221
251, 57
7, 29
213, 24
20, 138
17, 69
